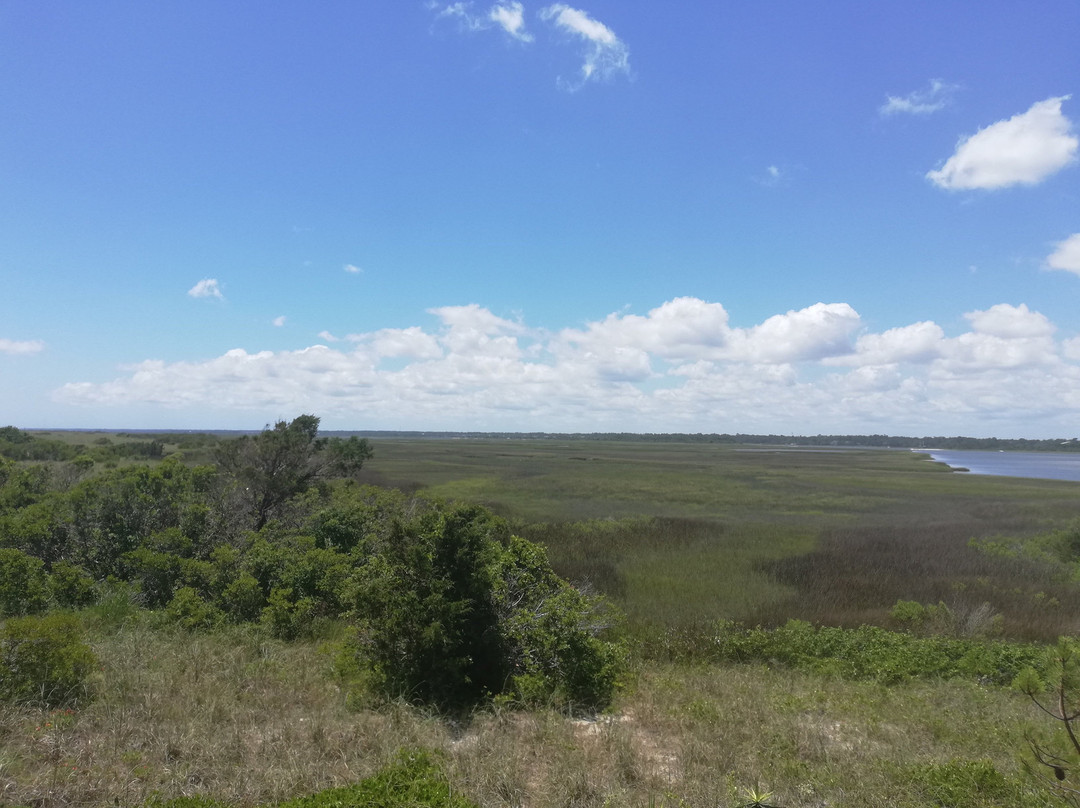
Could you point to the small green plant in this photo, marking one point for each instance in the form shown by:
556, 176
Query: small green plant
44, 660
414, 780
756, 798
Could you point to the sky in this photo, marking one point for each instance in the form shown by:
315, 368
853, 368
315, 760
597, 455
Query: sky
772, 217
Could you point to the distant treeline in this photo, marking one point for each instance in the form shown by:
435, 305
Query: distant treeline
19, 445
849, 441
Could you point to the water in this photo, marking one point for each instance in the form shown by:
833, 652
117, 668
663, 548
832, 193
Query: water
1041, 465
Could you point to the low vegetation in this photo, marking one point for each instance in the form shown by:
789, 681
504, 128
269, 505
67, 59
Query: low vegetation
533, 623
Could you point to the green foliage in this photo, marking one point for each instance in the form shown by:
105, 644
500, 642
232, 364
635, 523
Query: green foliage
189, 611
869, 652
414, 780
288, 618
281, 462
980, 621
451, 610
24, 587
550, 632
427, 623
44, 660
71, 586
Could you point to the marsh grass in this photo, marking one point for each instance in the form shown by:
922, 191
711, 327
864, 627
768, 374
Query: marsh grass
684, 534
249, 721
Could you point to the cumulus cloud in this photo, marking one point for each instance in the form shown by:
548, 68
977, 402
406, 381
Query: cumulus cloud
1010, 322
916, 343
207, 287
15, 347
681, 366
605, 54
1067, 255
1023, 150
920, 102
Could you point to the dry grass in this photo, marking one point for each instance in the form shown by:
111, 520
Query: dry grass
252, 721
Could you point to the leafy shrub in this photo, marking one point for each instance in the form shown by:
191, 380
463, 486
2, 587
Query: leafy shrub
242, 598
71, 586
287, 618
44, 660
189, 611
412, 781
550, 633
452, 610
24, 587
427, 623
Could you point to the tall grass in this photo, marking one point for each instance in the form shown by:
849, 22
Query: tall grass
684, 534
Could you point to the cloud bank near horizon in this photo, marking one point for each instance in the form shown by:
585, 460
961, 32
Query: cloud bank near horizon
681, 367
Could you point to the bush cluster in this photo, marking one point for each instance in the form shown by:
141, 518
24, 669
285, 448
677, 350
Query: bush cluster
448, 607
44, 660
874, 653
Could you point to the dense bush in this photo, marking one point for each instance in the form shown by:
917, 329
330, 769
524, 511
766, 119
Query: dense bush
44, 660
24, 586
451, 610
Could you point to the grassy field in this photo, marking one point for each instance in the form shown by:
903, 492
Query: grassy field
255, 722
681, 536
688, 533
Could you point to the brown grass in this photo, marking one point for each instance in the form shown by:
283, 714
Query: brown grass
252, 722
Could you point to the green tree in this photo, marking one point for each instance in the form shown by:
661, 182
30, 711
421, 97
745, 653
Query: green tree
280, 462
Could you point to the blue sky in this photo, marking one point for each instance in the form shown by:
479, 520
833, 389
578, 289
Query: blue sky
614, 216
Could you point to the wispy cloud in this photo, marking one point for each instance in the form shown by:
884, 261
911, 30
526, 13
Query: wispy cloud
920, 102
1023, 150
279, 321
1067, 255
509, 16
352, 269
15, 347
605, 54
207, 287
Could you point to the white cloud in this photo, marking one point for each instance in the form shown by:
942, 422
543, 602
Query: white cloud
1010, 322
605, 55
916, 343
207, 287
1023, 150
508, 15
352, 269
920, 102
326, 335
682, 366
511, 17
1067, 255
279, 321
21, 347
